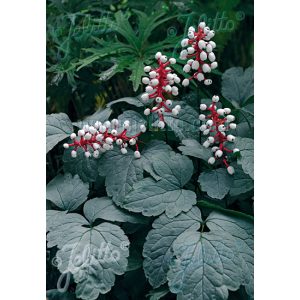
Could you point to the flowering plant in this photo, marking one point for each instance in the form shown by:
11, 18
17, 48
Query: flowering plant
101, 137
159, 83
200, 53
162, 205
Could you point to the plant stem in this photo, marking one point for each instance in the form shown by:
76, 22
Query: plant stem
206, 204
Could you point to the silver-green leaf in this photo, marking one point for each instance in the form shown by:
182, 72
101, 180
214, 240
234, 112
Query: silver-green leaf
67, 192
242, 232
246, 159
136, 120
100, 115
186, 124
217, 183
152, 198
242, 183
130, 100
86, 168
238, 85
193, 148
58, 127
152, 150
205, 267
121, 172
158, 246
94, 255
104, 208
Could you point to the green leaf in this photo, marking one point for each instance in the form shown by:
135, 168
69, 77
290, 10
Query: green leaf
58, 295
242, 183
216, 183
137, 69
193, 148
158, 246
67, 192
152, 150
101, 115
136, 120
200, 264
174, 167
58, 127
104, 208
157, 293
244, 130
242, 232
238, 85
123, 27
119, 65
121, 172
206, 265
94, 255
246, 159
147, 23
152, 198
186, 124
130, 100
86, 168
135, 48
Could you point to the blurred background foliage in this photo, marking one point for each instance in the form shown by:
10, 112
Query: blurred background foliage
96, 50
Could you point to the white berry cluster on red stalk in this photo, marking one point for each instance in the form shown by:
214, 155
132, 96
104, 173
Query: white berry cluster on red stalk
217, 125
199, 54
103, 136
160, 85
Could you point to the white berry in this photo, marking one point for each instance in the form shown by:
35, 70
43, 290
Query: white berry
211, 160
143, 128
175, 112
227, 110
147, 69
203, 106
202, 117
221, 127
147, 111
123, 150
161, 124
185, 82
230, 138
206, 144
219, 153
230, 170
215, 98
137, 154
209, 123
230, 118
119, 142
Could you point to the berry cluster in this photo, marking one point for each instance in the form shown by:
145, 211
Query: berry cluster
101, 137
199, 53
160, 84
216, 124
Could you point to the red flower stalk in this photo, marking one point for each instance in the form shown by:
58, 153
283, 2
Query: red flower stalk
101, 137
217, 123
199, 53
159, 87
